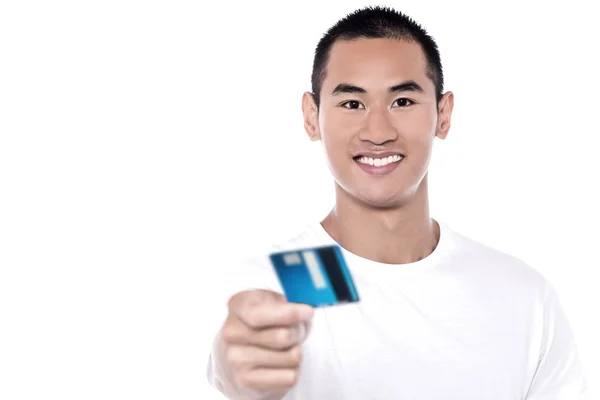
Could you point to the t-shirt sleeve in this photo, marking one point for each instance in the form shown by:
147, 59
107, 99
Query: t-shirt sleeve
559, 374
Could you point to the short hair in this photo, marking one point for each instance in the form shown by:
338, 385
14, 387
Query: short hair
377, 23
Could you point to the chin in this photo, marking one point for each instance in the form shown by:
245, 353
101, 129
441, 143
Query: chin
382, 201
385, 195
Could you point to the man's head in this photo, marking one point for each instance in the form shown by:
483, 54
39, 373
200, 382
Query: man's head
377, 95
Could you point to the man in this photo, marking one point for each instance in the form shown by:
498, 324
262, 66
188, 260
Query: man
440, 316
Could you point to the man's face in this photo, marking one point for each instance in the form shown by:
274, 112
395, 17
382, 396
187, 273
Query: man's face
377, 118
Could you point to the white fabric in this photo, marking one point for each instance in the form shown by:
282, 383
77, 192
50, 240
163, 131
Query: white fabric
467, 322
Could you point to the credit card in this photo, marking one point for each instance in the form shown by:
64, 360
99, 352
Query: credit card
317, 276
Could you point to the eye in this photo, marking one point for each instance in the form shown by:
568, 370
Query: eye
352, 104
404, 102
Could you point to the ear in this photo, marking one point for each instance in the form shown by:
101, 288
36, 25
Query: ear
311, 116
445, 107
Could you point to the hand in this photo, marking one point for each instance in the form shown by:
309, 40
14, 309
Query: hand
263, 335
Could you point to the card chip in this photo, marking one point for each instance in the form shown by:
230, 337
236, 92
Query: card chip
292, 259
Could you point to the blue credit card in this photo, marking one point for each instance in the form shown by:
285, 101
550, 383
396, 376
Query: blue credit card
317, 276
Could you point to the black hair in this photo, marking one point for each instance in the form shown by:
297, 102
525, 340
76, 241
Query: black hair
377, 23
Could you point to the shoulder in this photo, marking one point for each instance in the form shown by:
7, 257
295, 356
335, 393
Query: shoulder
494, 266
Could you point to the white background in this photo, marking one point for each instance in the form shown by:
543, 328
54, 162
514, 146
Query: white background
143, 143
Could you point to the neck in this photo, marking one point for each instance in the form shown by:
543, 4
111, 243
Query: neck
398, 235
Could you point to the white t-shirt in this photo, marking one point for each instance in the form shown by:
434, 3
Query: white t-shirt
467, 322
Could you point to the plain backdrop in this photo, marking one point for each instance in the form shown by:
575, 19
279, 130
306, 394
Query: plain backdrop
143, 143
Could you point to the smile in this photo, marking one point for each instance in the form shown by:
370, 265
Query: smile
379, 162
379, 166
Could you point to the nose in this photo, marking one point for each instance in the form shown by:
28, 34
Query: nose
378, 128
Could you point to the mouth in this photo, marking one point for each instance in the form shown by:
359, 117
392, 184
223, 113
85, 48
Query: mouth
379, 164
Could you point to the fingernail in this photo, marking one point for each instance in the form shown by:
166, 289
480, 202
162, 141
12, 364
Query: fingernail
301, 332
295, 334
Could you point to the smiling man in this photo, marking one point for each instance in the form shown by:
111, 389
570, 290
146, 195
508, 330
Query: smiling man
440, 316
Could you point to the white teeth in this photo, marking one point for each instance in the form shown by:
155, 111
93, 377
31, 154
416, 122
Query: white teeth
380, 162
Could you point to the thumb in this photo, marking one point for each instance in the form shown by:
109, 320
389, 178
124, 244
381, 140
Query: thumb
264, 296
271, 295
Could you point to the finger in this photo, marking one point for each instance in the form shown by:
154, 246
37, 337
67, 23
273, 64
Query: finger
250, 357
284, 314
268, 378
278, 338
258, 310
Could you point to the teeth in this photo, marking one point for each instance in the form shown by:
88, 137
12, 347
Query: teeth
379, 162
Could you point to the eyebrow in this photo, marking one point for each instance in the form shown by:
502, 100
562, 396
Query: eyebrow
408, 86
